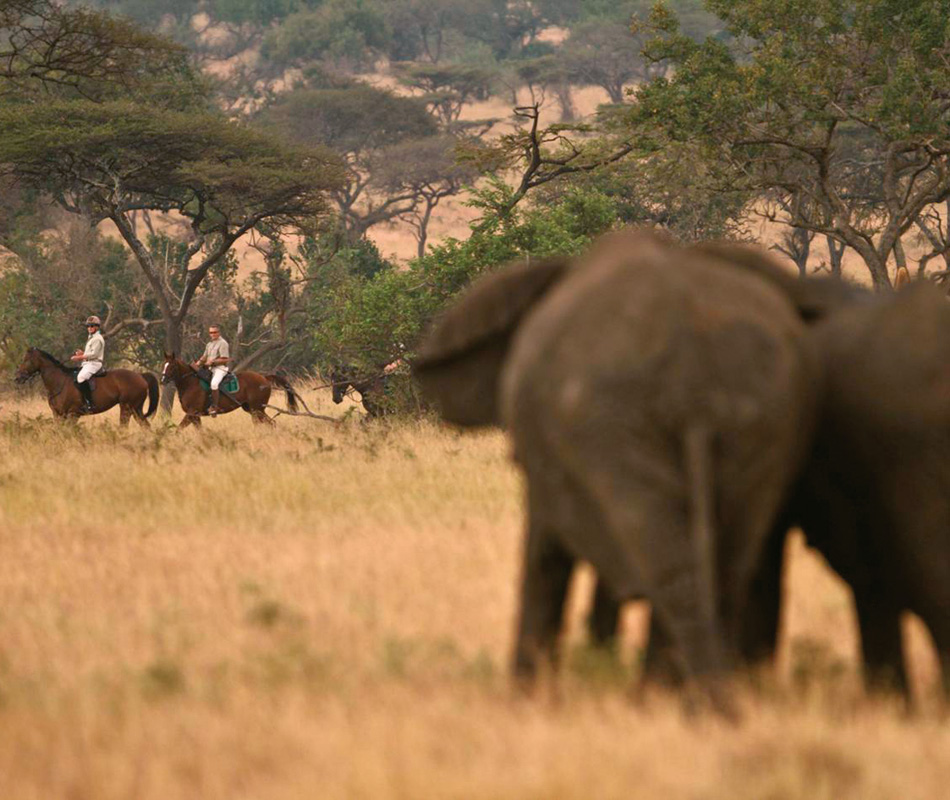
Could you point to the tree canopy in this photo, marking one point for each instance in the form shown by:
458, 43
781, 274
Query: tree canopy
46, 45
112, 159
838, 107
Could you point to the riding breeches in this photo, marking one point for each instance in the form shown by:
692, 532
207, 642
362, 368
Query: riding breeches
87, 370
217, 375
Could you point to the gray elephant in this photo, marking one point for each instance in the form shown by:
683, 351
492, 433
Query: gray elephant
660, 401
875, 496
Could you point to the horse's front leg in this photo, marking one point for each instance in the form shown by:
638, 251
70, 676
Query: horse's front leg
124, 414
190, 419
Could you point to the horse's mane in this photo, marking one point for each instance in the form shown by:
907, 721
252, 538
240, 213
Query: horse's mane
51, 357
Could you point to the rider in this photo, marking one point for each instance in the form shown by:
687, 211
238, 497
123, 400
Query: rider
91, 358
216, 355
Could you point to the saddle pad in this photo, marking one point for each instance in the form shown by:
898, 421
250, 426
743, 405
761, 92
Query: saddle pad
229, 384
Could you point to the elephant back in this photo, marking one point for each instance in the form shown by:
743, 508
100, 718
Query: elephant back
814, 298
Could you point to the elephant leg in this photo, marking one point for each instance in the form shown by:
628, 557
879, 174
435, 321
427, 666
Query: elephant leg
938, 623
880, 625
941, 636
604, 617
671, 534
546, 576
758, 619
659, 662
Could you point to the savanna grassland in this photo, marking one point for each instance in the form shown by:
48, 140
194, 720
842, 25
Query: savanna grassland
320, 611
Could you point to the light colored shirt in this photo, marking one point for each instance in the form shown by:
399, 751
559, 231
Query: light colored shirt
95, 348
216, 349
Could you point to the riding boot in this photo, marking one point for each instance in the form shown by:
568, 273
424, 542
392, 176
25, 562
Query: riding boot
215, 398
86, 392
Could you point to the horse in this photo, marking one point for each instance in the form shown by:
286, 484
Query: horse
252, 395
121, 387
372, 389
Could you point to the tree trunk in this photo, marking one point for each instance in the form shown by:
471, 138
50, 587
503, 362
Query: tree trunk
172, 345
236, 342
565, 100
879, 277
422, 235
835, 255
799, 248
900, 258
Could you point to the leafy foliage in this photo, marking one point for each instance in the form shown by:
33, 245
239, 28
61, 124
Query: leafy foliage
838, 107
48, 47
369, 322
347, 32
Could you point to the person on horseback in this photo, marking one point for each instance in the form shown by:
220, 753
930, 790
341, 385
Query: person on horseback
91, 358
217, 354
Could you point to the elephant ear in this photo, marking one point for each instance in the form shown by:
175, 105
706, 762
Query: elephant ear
814, 297
460, 360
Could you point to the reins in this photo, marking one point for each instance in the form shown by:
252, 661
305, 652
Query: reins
63, 370
180, 374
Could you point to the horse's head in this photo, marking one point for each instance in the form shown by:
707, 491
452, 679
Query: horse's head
339, 382
31, 364
171, 368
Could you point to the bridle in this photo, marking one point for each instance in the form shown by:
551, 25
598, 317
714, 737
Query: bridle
173, 372
37, 369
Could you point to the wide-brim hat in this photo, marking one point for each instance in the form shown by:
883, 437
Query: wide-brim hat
93, 320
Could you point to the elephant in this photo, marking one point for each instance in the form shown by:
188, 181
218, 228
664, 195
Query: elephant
873, 496
638, 384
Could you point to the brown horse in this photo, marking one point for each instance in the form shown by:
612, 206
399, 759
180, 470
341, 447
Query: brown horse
252, 395
121, 387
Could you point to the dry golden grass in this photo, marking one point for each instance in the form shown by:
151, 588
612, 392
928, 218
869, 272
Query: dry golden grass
327, 612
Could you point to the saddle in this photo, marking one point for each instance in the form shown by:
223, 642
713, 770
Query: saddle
229, 385
92, 378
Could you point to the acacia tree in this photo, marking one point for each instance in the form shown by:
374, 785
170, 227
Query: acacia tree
606, 53
109, 160
45, 44
447, 88
425, 25
840, 103
356, 122
540, 75
428, 170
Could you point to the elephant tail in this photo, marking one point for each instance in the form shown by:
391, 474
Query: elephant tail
152, 382
697, 451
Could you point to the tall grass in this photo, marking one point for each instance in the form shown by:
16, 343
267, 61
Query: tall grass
326, 611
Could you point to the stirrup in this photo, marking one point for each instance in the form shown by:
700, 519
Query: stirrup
213, 411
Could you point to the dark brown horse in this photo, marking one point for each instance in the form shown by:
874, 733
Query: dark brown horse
372, 388
252, 395
123, 387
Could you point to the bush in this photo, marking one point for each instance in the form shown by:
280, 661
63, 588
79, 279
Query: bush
368, 319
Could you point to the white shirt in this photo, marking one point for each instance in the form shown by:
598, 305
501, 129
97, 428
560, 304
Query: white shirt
95, 348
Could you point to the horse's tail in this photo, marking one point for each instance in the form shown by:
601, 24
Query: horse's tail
280, 380
152, 382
